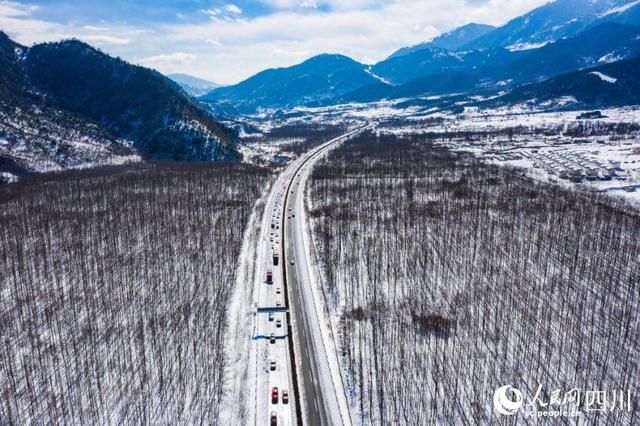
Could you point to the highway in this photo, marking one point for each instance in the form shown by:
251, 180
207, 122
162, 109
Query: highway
304, 347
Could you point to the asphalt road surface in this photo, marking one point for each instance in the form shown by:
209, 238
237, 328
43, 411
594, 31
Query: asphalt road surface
322, 398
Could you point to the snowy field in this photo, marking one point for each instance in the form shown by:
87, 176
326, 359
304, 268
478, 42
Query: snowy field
115, 285
515, 136
277, 144
448, 277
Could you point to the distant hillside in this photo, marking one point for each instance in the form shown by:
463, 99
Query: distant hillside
437, 71
193, 85
604, 43
450, 40
317, 79
432, 60
555, 20
70, 105
616, 84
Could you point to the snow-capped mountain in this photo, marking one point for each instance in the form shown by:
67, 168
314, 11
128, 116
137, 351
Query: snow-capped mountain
499, 69
68, 105
317, 79
451, 40
194, 86
555, 20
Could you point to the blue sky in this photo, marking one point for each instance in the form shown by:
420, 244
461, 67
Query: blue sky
227, 41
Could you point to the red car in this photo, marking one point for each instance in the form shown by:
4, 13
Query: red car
274, 395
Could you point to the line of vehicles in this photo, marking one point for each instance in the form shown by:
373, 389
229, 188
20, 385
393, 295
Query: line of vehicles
277, 395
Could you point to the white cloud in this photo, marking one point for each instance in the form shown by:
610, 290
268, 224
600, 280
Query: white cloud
10, 9
105, 40
232, 8
214, 42
167, 61
17, 21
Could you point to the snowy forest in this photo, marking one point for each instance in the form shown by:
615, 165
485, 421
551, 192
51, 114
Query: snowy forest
114, 290
447, 278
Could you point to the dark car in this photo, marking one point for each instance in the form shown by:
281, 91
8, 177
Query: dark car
285, 396
274, 418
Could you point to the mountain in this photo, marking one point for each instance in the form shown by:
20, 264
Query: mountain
555, 20
449, 82
606, 42
616, 84
451, 40
36, 135
12, 79
317, 79
194, 86
437, 71
70, 105
433, 60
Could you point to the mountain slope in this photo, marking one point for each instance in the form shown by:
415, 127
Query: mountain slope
551, 22
450, 40
194, 86
67, 105
590, 48
130, 101
615, 84
36, 135
449, 82
432, 60
437, 71
12, 79
317, 79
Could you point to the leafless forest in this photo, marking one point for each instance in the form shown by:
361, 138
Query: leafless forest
114, 286
451, 278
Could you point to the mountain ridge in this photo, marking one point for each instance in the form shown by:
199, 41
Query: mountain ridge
194, 86
317, 78
450, 40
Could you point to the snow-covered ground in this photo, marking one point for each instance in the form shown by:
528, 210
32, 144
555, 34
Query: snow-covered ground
513, 136
521, 139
